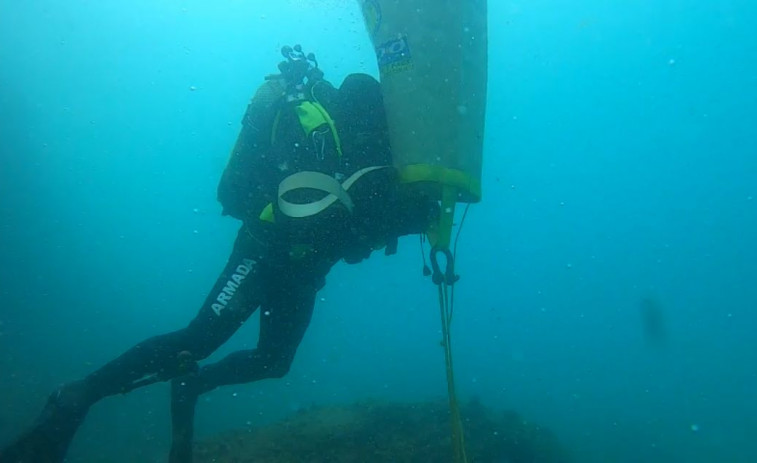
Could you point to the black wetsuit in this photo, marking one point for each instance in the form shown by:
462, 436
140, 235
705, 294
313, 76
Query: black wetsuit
277, 267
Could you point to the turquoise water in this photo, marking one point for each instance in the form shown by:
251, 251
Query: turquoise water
619, 166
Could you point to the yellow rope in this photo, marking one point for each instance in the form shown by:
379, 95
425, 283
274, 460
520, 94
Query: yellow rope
445, 281
458, 434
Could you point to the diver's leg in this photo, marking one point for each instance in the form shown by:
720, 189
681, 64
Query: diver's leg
234, 297
232, 300
284, 318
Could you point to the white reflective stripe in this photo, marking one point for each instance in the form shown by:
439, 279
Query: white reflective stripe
322, 182
356, 176
315, 181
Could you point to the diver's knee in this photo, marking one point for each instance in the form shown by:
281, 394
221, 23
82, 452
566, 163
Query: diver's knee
278, 370
200, 342
278, 367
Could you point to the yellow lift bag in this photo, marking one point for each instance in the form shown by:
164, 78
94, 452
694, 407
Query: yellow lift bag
432, 57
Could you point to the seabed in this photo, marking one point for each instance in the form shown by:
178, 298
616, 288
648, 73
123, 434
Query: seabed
385, 432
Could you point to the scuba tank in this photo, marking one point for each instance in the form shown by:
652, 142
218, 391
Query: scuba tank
271, 142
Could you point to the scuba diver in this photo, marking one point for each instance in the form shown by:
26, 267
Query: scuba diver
310, 179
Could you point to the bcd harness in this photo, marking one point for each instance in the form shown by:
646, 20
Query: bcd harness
314, 118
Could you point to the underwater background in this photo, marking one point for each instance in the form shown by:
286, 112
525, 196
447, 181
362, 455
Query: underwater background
609, 276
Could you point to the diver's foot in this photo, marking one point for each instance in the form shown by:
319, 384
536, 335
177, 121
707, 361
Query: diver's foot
52, 432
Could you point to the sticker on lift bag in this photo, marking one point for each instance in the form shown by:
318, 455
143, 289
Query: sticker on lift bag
394, 56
